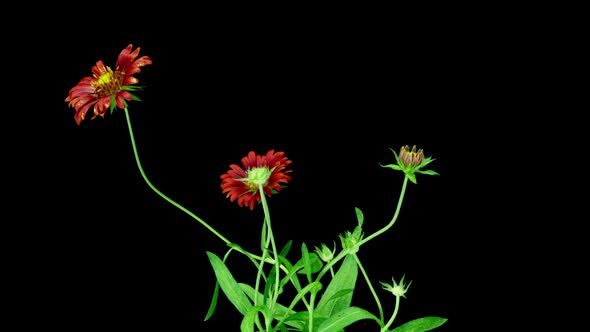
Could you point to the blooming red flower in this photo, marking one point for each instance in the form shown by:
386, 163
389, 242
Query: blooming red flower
107, 88
243, 183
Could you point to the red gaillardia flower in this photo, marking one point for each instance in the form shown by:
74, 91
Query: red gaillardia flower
243, 183
107, 88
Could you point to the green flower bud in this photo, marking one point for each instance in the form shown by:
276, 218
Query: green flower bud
395, 288
325, 253
410, 162
350, 240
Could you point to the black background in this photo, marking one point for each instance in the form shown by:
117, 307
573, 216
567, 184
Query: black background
335, 93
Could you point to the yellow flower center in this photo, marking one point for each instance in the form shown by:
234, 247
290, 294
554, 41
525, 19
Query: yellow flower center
109, 83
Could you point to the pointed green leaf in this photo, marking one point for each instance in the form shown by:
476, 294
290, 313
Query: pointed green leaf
392, 166
339, 293
428, 172
359, 216
299, 317
229, 285
344, 279
399, 162
412, 177
263, 236
281, 312
213, 303
132, 87
291, 273
306, 262
421, 324
113, 104
426, 161
345, 318
286, 248
315, 263
249, 319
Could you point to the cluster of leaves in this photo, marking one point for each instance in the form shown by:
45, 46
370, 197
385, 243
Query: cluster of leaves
334, 310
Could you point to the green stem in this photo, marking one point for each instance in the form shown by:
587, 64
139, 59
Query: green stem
258, 276
390, 321
168, 199
395, 215
328, 266
358, 262
272, 242
343, 253
310, 311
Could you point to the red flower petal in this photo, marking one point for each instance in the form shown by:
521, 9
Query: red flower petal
234, 187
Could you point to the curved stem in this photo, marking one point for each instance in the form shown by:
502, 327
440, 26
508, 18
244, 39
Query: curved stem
168, 199
390, 321
388, 226
358, 262
343, 253
258, 276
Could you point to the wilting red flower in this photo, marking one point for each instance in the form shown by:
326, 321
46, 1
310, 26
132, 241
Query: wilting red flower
243, 183
107, 88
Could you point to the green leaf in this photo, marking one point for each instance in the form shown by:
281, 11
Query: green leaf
317, 321
290, 273
345, 318
341, 292
399, 162
113, 104
426, 161
315, 264
280, 311
344, 279
229, 285
392, 166
263, 235
306, 262
272, 274
359, 216
412, 177
132, 87
301, 318
286, 248
213, 304
421, 324
284, 328
250, 318
427, 172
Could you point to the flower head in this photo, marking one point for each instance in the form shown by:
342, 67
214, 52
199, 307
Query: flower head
108, 88
350, 241
395, 288
410, 162
326, 254
244, 183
